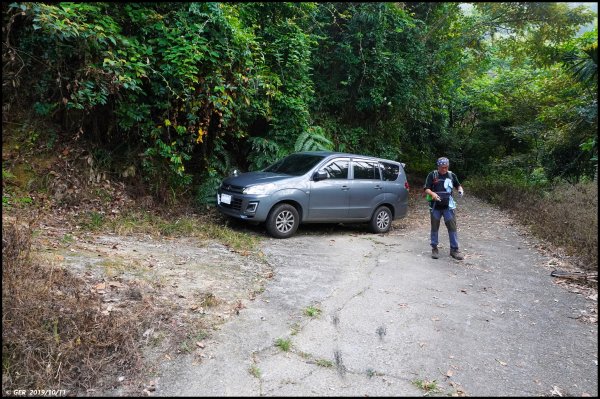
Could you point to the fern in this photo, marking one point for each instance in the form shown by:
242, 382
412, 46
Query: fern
264, 152
313, 139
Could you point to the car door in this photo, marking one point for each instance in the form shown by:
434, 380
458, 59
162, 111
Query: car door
367, 188
329, 197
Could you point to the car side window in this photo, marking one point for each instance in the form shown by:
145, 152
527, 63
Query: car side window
364, 169
389, 171
337, 169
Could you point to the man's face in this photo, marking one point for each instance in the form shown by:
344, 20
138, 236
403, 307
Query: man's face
443, 169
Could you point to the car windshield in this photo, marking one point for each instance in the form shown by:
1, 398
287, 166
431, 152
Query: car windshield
295, 164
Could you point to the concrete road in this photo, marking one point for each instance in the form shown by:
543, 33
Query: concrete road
395, 322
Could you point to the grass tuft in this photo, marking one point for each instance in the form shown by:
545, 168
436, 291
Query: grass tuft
283, 344
136, 222
208, 300
565, 215
324, 363
254, 371
427, 386
54, 333
312, 311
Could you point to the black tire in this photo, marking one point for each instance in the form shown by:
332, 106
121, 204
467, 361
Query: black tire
283, 221
381, 222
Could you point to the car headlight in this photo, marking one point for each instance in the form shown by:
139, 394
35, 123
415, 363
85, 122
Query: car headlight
259, 189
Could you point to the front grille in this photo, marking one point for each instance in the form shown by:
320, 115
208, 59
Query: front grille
236, 204
233, 189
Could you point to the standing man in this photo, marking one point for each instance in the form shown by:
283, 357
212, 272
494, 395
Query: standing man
438, 187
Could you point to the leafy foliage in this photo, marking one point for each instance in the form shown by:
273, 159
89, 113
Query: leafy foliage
313, 139
187, 91
584, 64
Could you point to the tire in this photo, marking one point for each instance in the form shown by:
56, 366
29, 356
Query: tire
381, 222
283, 221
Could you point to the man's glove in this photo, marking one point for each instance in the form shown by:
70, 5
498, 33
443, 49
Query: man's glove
460, 192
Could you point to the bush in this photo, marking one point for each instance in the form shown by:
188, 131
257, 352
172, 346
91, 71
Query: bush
54, 334
565, 215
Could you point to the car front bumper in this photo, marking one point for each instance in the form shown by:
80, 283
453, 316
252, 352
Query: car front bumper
242, 206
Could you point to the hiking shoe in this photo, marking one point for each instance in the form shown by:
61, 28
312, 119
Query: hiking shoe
455, 253
435, 253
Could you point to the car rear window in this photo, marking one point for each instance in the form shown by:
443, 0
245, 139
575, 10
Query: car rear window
389, 171
365, 170
295, 164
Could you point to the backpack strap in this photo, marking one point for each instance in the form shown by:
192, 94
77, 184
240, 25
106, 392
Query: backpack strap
436, 175
433, 178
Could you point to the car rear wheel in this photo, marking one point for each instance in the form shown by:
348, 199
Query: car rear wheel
381, 220
283, 221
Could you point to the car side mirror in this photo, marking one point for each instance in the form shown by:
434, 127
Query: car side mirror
320, 175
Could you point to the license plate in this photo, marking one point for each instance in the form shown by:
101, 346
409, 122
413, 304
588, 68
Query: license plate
226, 198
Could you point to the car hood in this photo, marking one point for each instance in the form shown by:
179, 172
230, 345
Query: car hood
254, 178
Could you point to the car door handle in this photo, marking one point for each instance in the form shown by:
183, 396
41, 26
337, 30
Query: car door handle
378, 187
345, 188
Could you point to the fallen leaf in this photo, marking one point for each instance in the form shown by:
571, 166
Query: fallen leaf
501, 362
200, 345
116, 284
556, 391
449, 373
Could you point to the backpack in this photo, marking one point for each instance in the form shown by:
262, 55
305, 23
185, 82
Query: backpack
443, 204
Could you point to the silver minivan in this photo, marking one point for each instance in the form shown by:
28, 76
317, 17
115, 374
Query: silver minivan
318, 187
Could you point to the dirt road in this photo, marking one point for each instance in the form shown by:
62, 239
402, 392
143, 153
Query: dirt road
375, 315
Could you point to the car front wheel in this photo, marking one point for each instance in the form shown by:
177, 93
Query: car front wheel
283, 221
382, 220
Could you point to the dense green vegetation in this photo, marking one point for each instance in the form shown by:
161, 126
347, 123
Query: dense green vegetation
184, 92
166, 98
